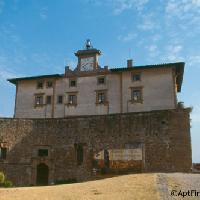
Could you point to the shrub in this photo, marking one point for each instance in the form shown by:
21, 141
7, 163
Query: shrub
8, 183
2, 177
4, 182
103, 171
68, 181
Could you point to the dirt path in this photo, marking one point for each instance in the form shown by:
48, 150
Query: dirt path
184, 186
128, 187
178, 186
162, 186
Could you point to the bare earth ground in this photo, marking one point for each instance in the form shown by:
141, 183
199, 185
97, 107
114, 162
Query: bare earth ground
127, 187
182, 183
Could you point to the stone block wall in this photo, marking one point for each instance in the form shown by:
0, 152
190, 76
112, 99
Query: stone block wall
164, 137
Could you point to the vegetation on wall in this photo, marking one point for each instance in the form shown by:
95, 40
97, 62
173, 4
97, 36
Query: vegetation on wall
68, 181
4, 182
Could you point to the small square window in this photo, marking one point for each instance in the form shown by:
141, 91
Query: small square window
3, 152
60, 99
48, 100
38, 100
42, 152
101, 80
72, 83
101, 97
49, 84
136, 77
72, 99
136, 95
40, 84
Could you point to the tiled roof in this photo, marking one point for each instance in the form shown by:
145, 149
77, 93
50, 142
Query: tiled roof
148, 66
14, 80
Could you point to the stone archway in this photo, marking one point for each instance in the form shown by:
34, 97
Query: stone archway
42, 174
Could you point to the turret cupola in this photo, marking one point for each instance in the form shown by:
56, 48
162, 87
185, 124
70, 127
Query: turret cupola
88, 57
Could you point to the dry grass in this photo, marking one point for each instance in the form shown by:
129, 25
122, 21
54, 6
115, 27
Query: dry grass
127, 187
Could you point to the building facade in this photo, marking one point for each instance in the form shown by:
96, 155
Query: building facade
92, 90
92, 120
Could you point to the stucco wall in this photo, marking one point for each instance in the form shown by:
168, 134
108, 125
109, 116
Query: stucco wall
25, 104
165, 142
157, 90
158, 93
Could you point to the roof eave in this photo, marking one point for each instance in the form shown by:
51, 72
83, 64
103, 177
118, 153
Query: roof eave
179, 75
12, 81
15, 80
88, 52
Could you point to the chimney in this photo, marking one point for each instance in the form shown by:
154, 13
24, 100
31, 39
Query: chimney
67, 69
129, 63
106, 67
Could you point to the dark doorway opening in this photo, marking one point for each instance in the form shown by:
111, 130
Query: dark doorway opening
106, 159
79, 153
42, 174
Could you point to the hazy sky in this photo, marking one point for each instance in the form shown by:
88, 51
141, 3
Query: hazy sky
40, 37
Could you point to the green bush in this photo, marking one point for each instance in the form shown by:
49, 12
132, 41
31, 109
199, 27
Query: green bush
103, 171
2, 177
4, 182
8, 184
68, 181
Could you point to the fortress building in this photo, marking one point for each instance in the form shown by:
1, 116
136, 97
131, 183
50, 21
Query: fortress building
90, 89
94, 120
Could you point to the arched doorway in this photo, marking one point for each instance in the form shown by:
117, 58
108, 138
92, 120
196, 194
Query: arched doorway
42, 174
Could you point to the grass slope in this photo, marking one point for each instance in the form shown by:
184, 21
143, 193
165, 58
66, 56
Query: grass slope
137, 186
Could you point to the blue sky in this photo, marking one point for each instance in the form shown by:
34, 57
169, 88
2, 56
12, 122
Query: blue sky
41, 36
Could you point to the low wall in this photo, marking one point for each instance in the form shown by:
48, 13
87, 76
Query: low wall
162, 136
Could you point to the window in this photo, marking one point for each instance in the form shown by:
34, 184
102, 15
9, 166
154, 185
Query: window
72, 99
60, 99
48, 100
72, 83
79, 153
39, 84
38, 100
49, 84
136, 94
101, 97
136, 77
101, 80
3, 152
42, 152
